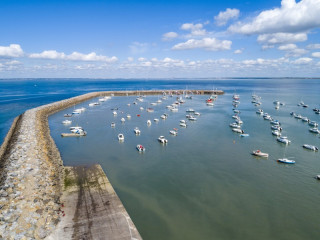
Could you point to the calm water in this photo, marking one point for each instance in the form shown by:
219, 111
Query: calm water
205, 184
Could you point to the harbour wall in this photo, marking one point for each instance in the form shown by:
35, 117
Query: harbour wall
32, 171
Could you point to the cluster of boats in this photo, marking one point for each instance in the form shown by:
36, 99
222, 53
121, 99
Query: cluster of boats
210, 101
75, 132
312, 124
236, 125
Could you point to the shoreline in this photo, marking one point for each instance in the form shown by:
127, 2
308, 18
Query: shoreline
32, 172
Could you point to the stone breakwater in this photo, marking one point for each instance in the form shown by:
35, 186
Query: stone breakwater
32, 173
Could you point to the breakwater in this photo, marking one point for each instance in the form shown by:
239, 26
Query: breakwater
32, 173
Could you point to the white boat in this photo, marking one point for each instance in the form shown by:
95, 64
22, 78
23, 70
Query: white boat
210, 104
174, 109
274, 127
67, 122
137, 131
159, 101
236, 111
318, 177
239, 121
314, 130
244, 135
91, 104
276, 133
182, 121
169, 106
260, 154
114, 113
113, 124
259, 111
267, 117
122, 120
283, 139
173, 132
286, 160
276, 102
148, 122
75, 127
190, 110
310, 147
197, 113
298, 116
150, 110
305, 119
163, 116
77, 130
183, 124
128, 116
192, 118
140, 148
162, 139
313, 123
141, 108
275, 122
102, 99
236, 97
234, 125
120, 137
277, 107
237, 130
156, 120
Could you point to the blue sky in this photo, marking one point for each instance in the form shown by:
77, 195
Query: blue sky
162, 39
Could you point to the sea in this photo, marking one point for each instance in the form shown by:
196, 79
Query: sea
204, 183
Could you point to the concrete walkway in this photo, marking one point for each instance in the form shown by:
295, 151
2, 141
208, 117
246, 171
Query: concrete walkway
91, 208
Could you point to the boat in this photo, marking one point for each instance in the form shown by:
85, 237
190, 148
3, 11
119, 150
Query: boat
239, 121
140, 148
276, 102
141, 108
192, 118
305, 105
174, 109
148, 122
234, 125
122, 120
236, 111
153, 104
283, 139
173, 132
316, 109
275, 122
68, 115
317, 112
277, 107
197, 113
75, 128
156, 120
162, 139
120, 137
259, 111
298, 116
314, 130
113, 124
102, 99
313, 123
276, 133
137, 131
305, 119
183, 124
190, 110
236, 97
66, 122
286, 160
275, 127
150, 110
244, 135
128, 116
182, 121
260, 154
237, 130
114, 113
235, 116
267, 117
318, 177
310, 147
210, 104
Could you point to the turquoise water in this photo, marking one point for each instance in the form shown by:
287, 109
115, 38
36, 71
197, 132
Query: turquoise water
205, 184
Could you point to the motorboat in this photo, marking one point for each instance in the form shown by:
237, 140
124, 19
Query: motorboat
156, 120
276, 102
277, 107
244, 135
197, 113
234, 125
173, 132
140, 148
235, 116
163, 116
305, 119
318, 177
114, 113
259, 111
66, 122
237, 130
159, 101
236, 97
236, 102
267, 117
257, 104
276, 133
150, 110
128, 116
275, 122
283, 139
317, 112
192, 118
122, 120
141, 108
169, 106
313, 123
236, 111
310, 147
188, 116
190, 110
102, 99
316, 109
314, 130
174, 109
162, 139
68, 115
75, 127
113, 124
286, 160
298, 116
137, 131
183, 124
239, 121
274, 127
153, 104
260, 154
120, 137
148, 122
182, 121
210, 104
305, 105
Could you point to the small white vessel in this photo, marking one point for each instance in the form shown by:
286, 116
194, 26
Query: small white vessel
156, 120
137, 131
197, 113
313, 124
310, 147
237, 130
91, 104
190, 110
122, 120
141, 108
114, 113
276, 133
67, 122
192, 118
163, 116
305, 119
259, 111
113, 124
260, 154
120, 137
236, 111
183, 124
239, 121
210, 104
128, 116
174, 109
286, 160
283, 139
275, 123
275, 127
173, 132
162, 139
182, 121
140, 148
148, 122
314, 130
234, 125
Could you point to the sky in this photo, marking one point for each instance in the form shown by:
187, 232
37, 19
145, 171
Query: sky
159, 39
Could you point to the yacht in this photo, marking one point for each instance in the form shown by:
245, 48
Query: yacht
156, 120
183, 124
122, 120
163, 116
161, 139
150, 110
66, 122
284, 140
310, 147
274, 127
239, 121
234, 125
173, 132
275, 122
276, 133
192, 118
140, 148
237, 130
259, 111
182, 121
197, 113
314, 130
120, 137
141, 108
305, 119
148, 122
313, 123
190, 110
298, 116
286, 160
137, 131
260, 154
236, 111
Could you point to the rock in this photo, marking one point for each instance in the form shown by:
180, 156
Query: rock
42, 233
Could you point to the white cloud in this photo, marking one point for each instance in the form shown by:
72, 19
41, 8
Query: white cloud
130, 59
141, 59
264, 47
224, 17
75, 56
138, 48
238, 51
287, 47
281, 38
13, 50
195, 29
169, 36
314, 46
316, 54
291, 17
210, 44
304, 60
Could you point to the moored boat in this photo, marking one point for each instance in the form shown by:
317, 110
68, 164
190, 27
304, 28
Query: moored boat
260, 154
286, 160
310, 147
137, 131
162, 139
140, 148
283, 139
120, 137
